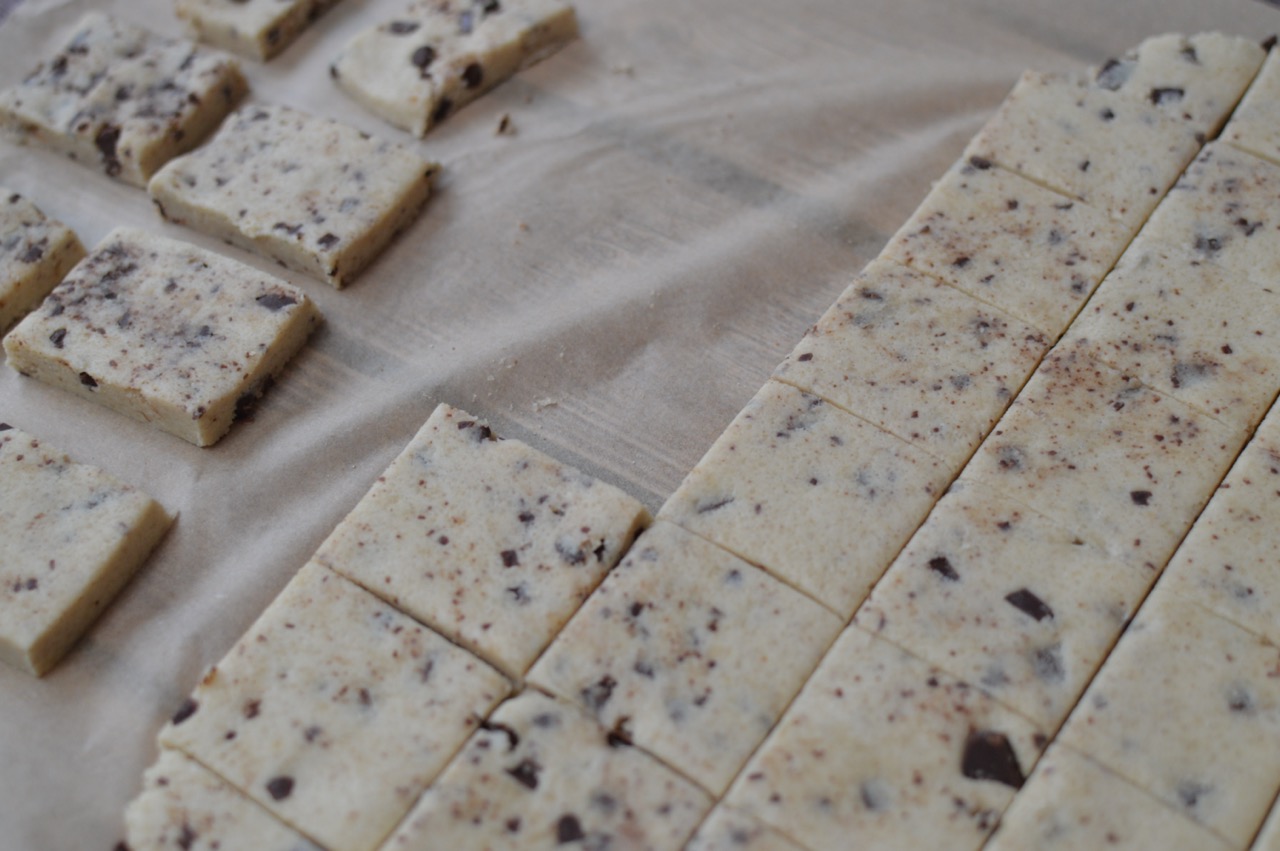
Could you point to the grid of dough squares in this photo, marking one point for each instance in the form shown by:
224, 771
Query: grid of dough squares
701, 678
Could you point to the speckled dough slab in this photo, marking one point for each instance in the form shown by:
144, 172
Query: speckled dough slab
487, 541
121, 98
185, 807
1008, 600
540, 774
727, 829
1187, 327
1010, 242
1197, 79
35, 252
1073, 804
1104, 455
916, 357
334, 711
71, 536
1188, 708
317, 195
1110, 151
164, 332
689, 652
439, 55
819, 498
259, 29
881, 751
1253, 126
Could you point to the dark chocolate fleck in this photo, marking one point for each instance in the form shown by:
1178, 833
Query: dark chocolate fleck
442, 110
402, 28
275, 301
57, 337
513, 738
1107, 114
1170, 95
1029, 604
279, 788
598, 694
708, 507
33, 253
941, 565
185, 711
187, 838
473, 75
526, 773
329, 240
5, 427
422, 58
1208, 244
1113, 74
568, 829
1140, 497
570, 553
106, 141
1190, 792
87, 380
1269, 42
980, 163
989, 756
1047, 662
510, 558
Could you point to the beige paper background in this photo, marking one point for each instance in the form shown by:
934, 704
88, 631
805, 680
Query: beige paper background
690, 186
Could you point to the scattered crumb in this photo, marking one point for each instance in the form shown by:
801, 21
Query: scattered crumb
524, 226
545, 402
506, 127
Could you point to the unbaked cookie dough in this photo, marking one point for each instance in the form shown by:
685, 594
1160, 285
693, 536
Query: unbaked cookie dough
35, 252
259, 29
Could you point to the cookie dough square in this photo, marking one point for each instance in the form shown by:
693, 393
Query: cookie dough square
1187, 327
541, 774
185, 807
918, 358
165, 333
1006, 599
1188, 708
882, 751
1106, 149
1009, 242
118, 97
487, 541
688, 652
334, 711
1073, 804
259, 29
1228, 561
315, 195
1094, 449
418, 69
35, 252
1253, 125
727, 829
71, 536
779, 487
1196, 79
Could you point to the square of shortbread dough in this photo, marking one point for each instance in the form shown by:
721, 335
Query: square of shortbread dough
183, 806
1119, 463
1228, 561
1110, 151
1253, 125
165, 333
1187, 327
689, 652
312, 193
727, 829
487, 541
1188, 707
1009, 242
259, 29
816, 496
918, 358
71, 536
883, 751
541, 774
1006, 599
35, 252
1073, 804
419, 68
1197, 79
121, 98
334, 711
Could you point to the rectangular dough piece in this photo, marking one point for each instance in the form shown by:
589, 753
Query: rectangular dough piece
316, 195
1122, 465
1006, 599
918, 358
258, 29
688, 652
123, 98
882, 751
487, 541
440, 55
1188, 708
1196, 79
334, 711
1106, 149
1010, 242
1071, 803
819, 498
71, 536
184, 807
539, 774
165, 333
728, 829
35, 253
1184, 325
1253, 125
